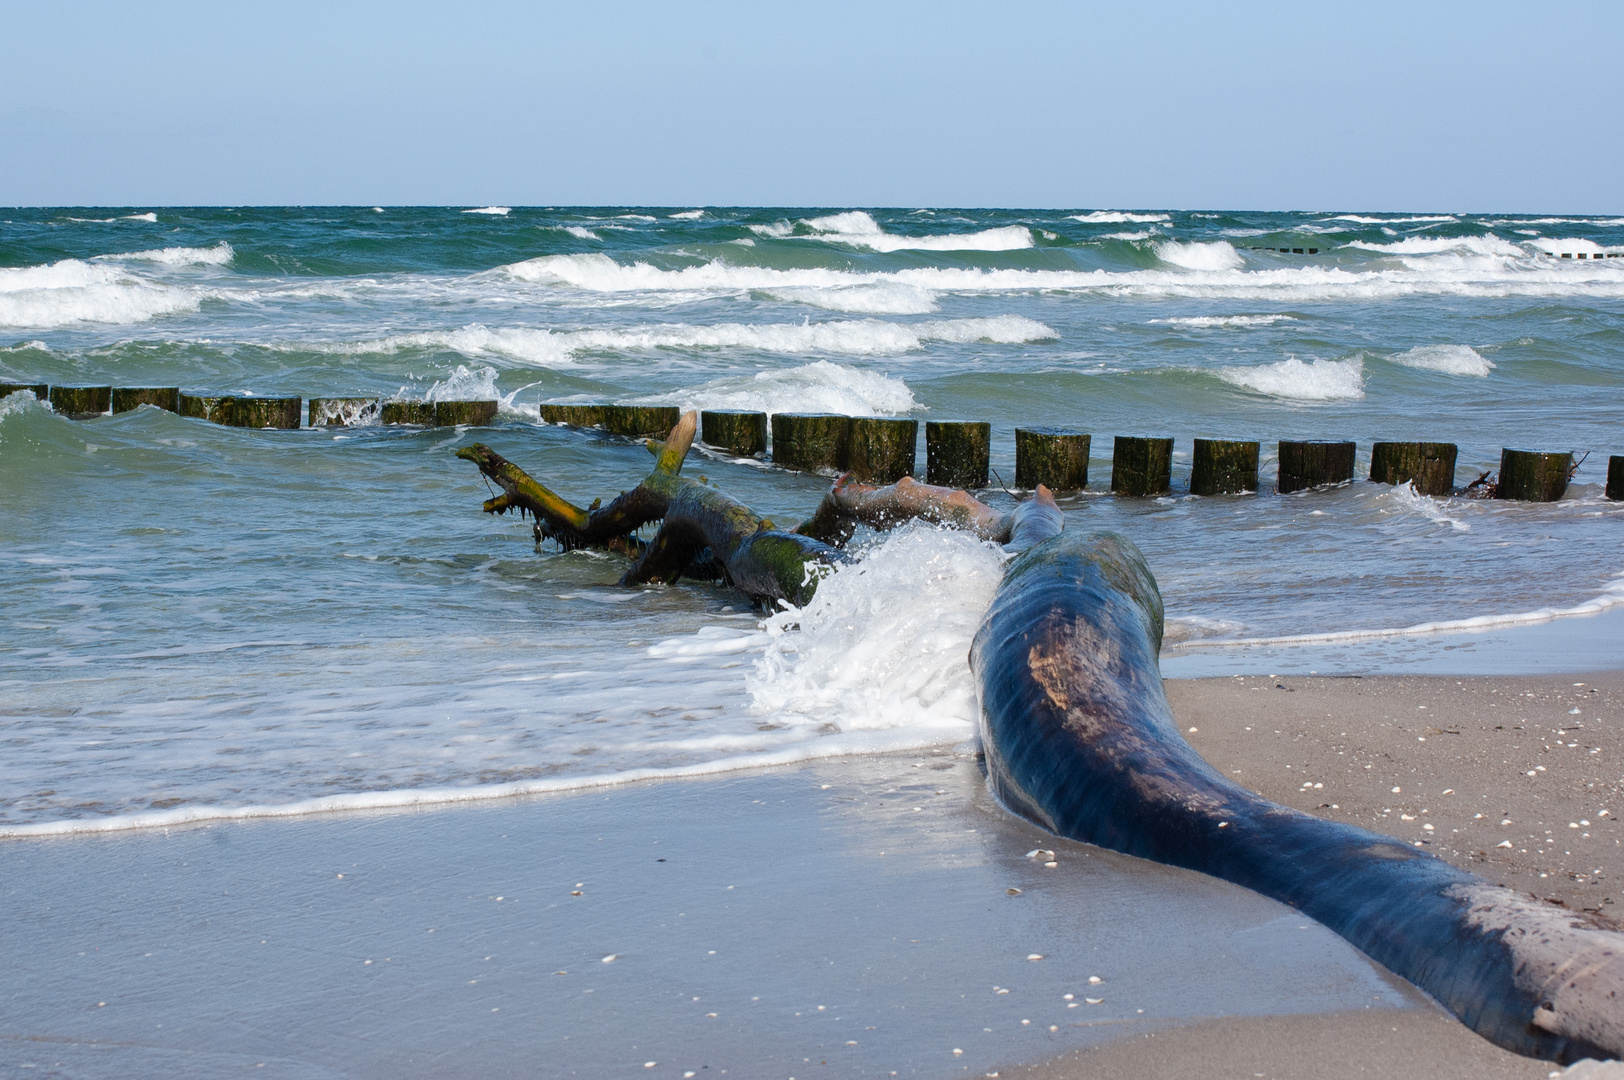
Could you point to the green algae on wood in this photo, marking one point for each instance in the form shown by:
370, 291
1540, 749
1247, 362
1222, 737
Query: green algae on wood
454, 413
1223, 467
743, 434
40, 391
958, 453
344, 411
1314, 463
881, 449
1533, 475
1141, 465
1428, 466
126, 398
810, 441
1057, 458
243, 412
418, 413
81, 402
575, 415
636, 421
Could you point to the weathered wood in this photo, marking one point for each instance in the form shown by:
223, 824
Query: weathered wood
466, 413
881, 449
127, 398
1314, 463
1428, 466
1533, 475
244, 412
81, 402
574, 415
1615, 477
418, 413
636, 421
742, 434
1141, 465
343, 411
1054, 457
811, 442
849, 504
40, 390
1078, 737
1223, 467
958, 453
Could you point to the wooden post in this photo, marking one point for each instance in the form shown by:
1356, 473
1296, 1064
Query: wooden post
262, 412
420, 413
1141, 465
881, 450
126, 398
1430, 466
81, 402
957, 453
810, 441
1057, 458
452, 413
1223, 467
1533, 476
1615, 477
742, 434
343, 411
574, 415
39, 390
636, 421
1314, 464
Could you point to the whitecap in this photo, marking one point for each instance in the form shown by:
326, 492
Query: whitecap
72, 291
1195, 255
578, 231
219, 254
857, 228
1361, 220
149, 217
1318, 380
1203, 322
688, 215
820, 386
1487, 244
881, 298
1118, 217
499, 211
1128, 235
1448, 359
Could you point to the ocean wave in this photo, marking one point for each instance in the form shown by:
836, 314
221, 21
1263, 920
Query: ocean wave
71, 291
1209, 321
1487, 244
688, 215
218, 255
1570, 245
1146, 235
1118, 217
578, 231
1447, 359
1361, 220
820, 386
881, 298
856, 228
1195, 255
498, 211
1317, 380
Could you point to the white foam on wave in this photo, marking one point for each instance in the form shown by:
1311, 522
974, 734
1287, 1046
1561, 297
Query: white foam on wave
1317, 380
856, 228
561, 348
1611, 596
881, 645
1362, 220
20, 401
1487, 244
72, 291
498, 211
149, 217
1195, 255
688, 215
1410, 501
1571, 245
1447, 359
1118, 217
579, 231
1202, 322
880, 298
1146, 235
219, 254
820, 386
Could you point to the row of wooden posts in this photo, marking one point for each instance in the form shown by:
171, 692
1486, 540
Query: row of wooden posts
883, 449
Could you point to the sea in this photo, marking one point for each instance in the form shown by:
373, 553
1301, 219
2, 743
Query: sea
200, 622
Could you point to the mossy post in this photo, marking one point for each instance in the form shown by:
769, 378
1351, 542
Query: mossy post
419, 413
881, 450
197, 406
343, 411
1141, 465
262, 412
39, 390
1223, 467
574, 415
1429, 466
1314, 464
810, 441
742, 434
1533, 475
1057, 458
1615, 477
453, 413
81, 402
958, 453
126, 398
637, 421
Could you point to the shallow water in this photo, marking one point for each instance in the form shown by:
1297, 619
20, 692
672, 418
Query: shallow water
201, 619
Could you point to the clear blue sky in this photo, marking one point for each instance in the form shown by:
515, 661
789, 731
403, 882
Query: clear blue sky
1372, 105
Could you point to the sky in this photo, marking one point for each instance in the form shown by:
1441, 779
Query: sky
1486, 107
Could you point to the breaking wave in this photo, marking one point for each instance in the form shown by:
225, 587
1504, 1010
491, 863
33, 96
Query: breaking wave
1448, 359
856, 228
1317, 380
820, 386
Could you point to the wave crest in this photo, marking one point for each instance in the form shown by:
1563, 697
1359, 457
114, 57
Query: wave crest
1447, 359
1318, 380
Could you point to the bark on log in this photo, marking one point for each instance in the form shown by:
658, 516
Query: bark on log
637, 421
1079, 738
742, 434
343, 412
1223, 467
41, 391
1314, 464
574, 415
811, 442
1057, 458
958, 454
1428, 466
1141, 466
469, 413
81, 402
417, 413
850, 504
1615, 477
128, 398
1533, 476
881, 449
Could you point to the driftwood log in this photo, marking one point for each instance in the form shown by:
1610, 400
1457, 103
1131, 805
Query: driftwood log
1079, 738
